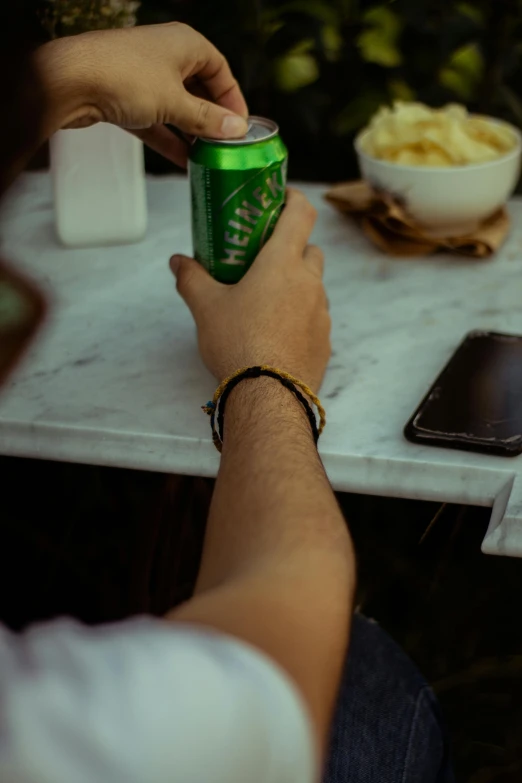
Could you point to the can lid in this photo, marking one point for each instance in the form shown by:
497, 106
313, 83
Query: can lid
259, 129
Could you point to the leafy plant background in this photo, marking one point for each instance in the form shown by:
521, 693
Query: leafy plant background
322, 67
70, 17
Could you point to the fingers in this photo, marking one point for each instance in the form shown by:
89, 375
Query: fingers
314, 260
295, 225
193, 282
202, 118
162, 140
213, 71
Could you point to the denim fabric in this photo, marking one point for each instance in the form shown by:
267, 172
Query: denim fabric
387, 726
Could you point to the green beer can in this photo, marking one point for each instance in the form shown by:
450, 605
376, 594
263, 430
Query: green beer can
237, 194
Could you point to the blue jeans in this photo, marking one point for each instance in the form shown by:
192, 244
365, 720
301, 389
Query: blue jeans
387, 726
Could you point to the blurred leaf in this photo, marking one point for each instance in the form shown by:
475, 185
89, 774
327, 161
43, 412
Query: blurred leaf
358, 112
463, 71
472, 11
468, 59
400, 90
297, 68
456, 82
332, 41
379, 43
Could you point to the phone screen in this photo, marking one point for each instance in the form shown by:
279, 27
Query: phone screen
21, 311
476, 402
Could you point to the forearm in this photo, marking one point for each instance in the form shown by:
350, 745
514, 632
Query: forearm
278, 568
272, 500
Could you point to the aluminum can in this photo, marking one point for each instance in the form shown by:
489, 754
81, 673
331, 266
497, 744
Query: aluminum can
237, 194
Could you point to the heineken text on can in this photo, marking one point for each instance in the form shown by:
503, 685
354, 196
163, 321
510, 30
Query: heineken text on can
237, 193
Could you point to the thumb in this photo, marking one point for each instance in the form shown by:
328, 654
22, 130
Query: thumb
193, 282
199, 117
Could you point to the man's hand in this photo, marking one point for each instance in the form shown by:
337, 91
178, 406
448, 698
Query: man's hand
277, 314
141, 79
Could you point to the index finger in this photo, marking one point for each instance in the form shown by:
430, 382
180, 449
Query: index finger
295, 225
213, 71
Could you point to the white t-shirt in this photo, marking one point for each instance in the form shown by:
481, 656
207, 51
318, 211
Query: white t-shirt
143, 701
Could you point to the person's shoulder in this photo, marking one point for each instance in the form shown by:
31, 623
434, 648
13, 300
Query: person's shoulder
254, 722
172, 698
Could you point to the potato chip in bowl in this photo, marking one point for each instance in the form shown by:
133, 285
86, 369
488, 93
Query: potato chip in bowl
452, 169
415, 135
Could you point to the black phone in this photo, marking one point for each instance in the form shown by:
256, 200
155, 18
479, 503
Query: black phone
476, 402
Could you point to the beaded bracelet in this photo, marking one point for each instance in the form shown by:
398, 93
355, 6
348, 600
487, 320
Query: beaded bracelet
218, 403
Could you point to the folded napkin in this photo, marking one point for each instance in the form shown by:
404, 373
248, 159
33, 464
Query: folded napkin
389, 226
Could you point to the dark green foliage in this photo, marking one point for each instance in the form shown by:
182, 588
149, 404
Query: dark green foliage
322, 67
71, 17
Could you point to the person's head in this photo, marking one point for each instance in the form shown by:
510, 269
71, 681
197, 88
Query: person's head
21, 108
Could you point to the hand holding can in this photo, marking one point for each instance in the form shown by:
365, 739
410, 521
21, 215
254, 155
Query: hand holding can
237, 193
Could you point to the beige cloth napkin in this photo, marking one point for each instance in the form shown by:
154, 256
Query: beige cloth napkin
389, 227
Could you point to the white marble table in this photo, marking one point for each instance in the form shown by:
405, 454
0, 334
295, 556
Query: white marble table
115, 378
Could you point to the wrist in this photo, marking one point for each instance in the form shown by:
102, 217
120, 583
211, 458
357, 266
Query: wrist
266, 406
69, 88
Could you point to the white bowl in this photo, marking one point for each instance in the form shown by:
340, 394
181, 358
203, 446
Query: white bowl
446, 201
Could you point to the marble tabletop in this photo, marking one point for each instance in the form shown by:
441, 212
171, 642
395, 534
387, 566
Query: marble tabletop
115, 378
